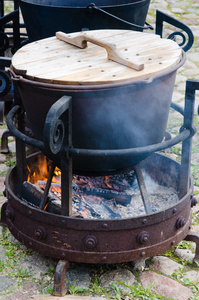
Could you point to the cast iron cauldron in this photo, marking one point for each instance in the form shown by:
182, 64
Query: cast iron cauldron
114, 105
44, 17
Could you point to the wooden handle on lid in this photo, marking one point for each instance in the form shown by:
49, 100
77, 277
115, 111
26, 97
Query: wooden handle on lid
112, 52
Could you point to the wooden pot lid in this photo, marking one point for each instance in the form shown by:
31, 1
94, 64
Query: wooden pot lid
109, 56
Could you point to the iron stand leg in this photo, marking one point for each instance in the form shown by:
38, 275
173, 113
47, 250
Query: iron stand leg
191, 87
66, 187
2, 106
143, 190
58, 121
194, 237
3, 214
47, 188
4, 141
67, 169
20, 151
59, 288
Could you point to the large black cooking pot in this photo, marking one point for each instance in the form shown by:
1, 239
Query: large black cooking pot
44, 17
106, 113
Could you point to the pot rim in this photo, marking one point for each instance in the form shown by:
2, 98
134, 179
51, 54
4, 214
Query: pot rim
17, 78
131, 2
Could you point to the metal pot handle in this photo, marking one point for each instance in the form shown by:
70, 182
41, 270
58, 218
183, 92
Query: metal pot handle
93, 6
15, 78
112, 52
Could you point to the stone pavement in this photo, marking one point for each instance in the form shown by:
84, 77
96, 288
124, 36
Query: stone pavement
25, 274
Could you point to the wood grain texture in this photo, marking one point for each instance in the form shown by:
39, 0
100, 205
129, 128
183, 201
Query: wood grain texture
54, 61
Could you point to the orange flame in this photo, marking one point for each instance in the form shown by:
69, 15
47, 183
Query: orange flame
40, 171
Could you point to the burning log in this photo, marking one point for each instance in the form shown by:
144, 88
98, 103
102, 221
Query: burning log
82, 206
121, 195
120, 198
33, 194
92, 200
95, 207
118, 182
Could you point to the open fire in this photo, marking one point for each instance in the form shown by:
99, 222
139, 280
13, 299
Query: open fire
101, 197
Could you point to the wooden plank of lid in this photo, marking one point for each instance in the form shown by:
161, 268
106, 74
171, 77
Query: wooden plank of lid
54, 61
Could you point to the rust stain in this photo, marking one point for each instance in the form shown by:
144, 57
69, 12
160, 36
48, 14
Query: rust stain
67, 245
63, 234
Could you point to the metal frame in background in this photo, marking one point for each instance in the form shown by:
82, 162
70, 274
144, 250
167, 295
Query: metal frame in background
187, 41
10, 34
11, 39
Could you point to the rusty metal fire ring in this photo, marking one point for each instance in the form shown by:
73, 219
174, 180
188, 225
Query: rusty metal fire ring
94, 241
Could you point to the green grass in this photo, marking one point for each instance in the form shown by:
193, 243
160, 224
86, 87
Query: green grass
115, 291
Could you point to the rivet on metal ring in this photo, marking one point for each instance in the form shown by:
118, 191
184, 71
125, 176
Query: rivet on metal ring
143, 237
180, 222
40, 233
91, 241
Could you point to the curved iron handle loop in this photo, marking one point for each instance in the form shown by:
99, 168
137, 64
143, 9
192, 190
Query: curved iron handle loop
28, 140
174, 34
162, 17
54, 127
53, 138
93, 6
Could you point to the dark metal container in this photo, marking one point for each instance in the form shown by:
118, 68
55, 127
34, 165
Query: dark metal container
44, 17
129, 123
108, 110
